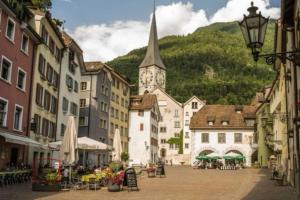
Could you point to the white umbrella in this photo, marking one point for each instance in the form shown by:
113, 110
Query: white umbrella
214, 154
68, 150
84, 143
117, 147
232, 154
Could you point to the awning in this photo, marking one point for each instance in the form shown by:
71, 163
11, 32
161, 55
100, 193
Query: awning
19, 139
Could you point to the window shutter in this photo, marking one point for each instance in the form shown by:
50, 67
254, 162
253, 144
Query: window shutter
88, 85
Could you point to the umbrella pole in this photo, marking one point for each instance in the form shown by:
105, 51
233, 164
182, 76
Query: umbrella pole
70, 174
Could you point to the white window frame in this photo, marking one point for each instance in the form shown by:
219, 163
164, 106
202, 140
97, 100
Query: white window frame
13, 37
21, 118
24, 83
6, 110
11, 65
27, 47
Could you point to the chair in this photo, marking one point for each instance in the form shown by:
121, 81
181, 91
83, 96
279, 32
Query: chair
93, 184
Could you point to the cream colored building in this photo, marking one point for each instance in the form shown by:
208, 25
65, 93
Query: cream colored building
119, 102
45, 84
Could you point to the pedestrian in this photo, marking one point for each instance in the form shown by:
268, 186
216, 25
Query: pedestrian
171, 162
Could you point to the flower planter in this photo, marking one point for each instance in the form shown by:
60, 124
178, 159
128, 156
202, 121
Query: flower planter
45, 187
151, 174
113, 187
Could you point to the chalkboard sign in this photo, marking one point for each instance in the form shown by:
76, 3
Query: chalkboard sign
130, 179
160, 170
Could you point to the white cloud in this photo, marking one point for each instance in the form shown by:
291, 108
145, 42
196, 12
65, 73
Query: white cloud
107, 41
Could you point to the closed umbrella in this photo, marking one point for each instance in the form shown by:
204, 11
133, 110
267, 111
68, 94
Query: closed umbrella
117, 147
68, 150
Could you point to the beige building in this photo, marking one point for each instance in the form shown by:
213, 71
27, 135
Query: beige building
119, 102
45, 84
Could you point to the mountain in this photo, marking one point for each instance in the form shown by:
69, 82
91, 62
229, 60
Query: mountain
211, 63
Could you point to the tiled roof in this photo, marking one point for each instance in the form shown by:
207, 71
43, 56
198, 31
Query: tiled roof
219, 113
142, 102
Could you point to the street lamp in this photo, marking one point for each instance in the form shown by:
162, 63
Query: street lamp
254, 28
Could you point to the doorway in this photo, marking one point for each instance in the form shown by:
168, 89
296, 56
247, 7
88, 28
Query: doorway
14, 156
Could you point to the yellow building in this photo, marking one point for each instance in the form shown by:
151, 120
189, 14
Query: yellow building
120, 93
45, 84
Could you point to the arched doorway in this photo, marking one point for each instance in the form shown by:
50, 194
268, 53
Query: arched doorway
254, 156
163, 152
235, 151
205, 152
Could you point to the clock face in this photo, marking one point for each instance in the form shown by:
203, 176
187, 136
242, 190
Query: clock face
160, 78
146, 77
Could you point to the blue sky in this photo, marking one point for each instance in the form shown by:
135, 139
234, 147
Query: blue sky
106, 29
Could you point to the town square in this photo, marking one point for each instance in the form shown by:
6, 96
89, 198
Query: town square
150, 99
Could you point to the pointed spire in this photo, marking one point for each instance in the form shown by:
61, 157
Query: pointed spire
152, 56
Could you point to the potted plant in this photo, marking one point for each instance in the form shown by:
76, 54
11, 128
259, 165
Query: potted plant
115, 180
151, 171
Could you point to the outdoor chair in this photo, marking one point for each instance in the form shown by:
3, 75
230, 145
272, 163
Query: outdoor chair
93, 184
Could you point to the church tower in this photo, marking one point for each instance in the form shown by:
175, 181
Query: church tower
152, 71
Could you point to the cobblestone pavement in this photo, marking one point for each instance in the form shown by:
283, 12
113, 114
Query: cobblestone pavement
180, 183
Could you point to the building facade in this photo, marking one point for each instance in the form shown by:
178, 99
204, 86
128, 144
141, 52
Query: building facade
70, 77
18, 42
223, 129
190, 107
119, 103
45, 84
95, 90
144, 117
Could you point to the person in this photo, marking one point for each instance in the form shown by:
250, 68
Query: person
171, 162
66, 175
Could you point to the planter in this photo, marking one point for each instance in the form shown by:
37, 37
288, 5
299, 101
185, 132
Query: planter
113, 187
45, 187
151, 174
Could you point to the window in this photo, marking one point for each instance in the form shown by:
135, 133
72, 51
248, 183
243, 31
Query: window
10, 29
45, 127
73, 108
205, 138
62, 129
42, 65
122, 116
53, 108
126, 117
83, 86
194, 105
65, 105
163, 129
176, 124
51, 45
44, 35
117, 114
69, 82
171, 146
49, 73
186, 113
187, 122
221, 138
25, 43
238, 138
210, 123
122, 102
18, 117
47, 99
3, 112
51, 129
57, 54
186, 135
103, 123
55, 79
117, 99
83, 121
176, 113
39, 95
37, 121
186, 145
75, 86
21, 81
225, 123
6, 67
141, 126
141, 113
82, 103
111, 128
112, 112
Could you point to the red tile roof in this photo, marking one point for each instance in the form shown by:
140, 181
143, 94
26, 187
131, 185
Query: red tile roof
142, 102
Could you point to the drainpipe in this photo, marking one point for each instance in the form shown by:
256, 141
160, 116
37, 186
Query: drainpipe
90, 104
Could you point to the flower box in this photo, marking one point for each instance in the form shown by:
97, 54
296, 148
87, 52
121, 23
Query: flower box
113, 187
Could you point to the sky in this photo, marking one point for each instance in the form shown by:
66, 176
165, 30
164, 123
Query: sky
106, 29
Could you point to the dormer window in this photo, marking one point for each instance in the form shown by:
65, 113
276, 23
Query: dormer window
238, 109
210, 123
225, 123
211, 120
224, 120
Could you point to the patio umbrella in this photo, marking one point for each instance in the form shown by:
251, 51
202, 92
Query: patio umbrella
214, 155
84, 143
117, 147
68, 150
202, 157
231, 156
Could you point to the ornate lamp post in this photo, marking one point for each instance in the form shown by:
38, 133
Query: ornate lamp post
254, 28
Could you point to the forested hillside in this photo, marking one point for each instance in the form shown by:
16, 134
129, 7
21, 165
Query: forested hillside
211, 63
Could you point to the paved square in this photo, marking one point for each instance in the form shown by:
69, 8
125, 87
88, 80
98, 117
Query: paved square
180, 183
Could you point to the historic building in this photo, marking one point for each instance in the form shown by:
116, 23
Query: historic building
45, 83
223, 129
70, 77
144, 116
17, 43
190, 107
95, 90
119, 102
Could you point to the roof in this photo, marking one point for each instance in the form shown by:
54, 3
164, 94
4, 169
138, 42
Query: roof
219, 113
164, 92
152, 56
93, 66
68, 41
142, 102
194, 97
